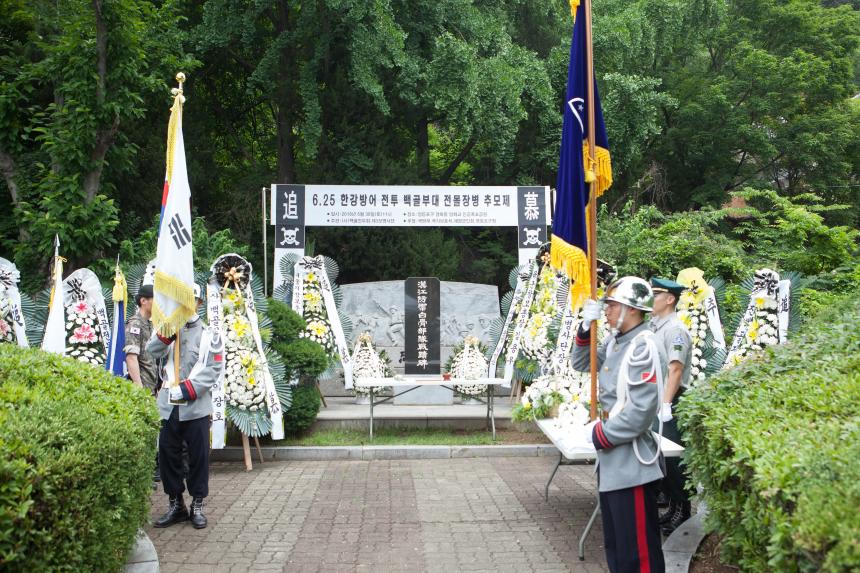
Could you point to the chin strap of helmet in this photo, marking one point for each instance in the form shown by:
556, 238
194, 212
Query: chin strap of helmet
649, 358
616, 328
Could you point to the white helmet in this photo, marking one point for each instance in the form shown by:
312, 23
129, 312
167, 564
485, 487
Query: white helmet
633, 292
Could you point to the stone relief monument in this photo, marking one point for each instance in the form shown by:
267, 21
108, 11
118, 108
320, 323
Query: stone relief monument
378, 308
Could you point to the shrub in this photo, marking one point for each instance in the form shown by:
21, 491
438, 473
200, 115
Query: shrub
774, 444
76, 453
306, 406
302, 357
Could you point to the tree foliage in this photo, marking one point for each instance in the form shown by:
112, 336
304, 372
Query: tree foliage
701, 98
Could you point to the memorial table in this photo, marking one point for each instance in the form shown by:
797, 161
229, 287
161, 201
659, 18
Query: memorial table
575, 452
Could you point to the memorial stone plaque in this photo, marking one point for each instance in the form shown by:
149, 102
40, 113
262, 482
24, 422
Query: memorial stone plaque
422, 352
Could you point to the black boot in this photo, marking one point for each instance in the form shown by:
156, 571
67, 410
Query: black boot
176, 513
198, 520
679, 516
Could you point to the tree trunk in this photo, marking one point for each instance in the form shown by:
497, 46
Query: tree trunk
283, 104
422, 151
10, 175
446, 176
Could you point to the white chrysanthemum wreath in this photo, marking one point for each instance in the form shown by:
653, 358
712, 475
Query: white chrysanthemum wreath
469, 364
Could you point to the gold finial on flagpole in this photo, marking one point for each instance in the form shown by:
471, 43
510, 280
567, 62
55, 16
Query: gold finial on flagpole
177, 92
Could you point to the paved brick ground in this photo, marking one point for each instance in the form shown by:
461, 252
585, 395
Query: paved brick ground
477, 514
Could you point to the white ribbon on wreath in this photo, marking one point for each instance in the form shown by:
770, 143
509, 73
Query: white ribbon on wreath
784, 302
273, 403
301, 269
516, 301
566, 334
522, 320
9, 277
215, 313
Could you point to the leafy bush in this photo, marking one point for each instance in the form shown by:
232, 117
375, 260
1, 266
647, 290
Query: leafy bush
774, 444
303, 358
76, 452
306, 406
649, 243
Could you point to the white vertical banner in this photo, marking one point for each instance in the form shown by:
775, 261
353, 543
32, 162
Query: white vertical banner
714, 323
273, 403
519, 293
566, 334
215, 314
522, 320
784, 309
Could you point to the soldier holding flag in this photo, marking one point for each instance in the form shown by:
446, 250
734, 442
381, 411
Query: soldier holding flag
193, 354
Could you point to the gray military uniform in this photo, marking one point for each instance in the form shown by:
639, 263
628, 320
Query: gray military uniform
619, 468
138, 330
197, 390
674, 339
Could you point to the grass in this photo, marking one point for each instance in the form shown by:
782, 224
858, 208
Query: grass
410, 437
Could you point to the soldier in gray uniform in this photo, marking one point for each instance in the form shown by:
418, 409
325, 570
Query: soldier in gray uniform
677, 345
138, 330
185, 408
628, 456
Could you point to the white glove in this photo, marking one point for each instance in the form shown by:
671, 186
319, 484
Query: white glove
588, 430
665, 414
176, 393
592, 310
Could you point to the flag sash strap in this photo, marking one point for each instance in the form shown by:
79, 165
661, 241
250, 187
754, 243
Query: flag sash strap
276, 413
714, 323
565, 337
300, 271
215, 314
522, 320
783, 302
519, 291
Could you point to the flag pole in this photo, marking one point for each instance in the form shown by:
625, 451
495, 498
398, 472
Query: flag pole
591, 179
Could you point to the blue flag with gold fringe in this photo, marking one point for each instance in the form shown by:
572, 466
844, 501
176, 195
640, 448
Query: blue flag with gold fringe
570, 241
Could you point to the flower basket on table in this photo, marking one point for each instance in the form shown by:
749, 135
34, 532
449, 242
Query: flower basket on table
253, 394
368, 363
468, 362
563, 395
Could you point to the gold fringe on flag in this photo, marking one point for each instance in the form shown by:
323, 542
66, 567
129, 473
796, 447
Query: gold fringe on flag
574, 4
182, 294
601, 167
573, 262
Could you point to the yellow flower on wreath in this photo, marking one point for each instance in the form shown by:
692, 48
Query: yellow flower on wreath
760, 301
752, 333
241, 327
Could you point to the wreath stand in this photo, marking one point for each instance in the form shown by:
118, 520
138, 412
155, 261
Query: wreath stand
246, 450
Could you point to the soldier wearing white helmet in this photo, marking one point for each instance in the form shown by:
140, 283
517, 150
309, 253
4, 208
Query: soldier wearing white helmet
629, 469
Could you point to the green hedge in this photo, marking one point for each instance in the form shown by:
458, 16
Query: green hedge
77, 448
775, 443
305, 407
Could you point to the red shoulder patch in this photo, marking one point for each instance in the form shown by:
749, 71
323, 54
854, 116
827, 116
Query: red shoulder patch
218, 357
649, 377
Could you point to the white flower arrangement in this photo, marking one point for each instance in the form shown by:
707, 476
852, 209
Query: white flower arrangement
84, 340
537, 343
762, 331
546, 392
367, 363
317, 326
7, 328
469, 364
244, 385
692, 313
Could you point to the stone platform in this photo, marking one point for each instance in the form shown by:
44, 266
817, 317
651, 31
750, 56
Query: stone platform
344, 413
